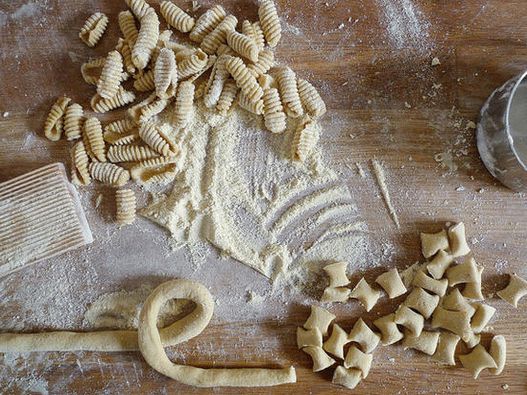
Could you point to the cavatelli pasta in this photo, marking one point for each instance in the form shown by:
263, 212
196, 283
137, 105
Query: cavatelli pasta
145, 82
218, 36
310, 98
110, 79
139, 7
130, 153
121, 126
114, 138
270, 22
165, 72
211, 61
121, 98
215, 84
146, 39
254, 31
192, 64
161, 174
149, 107
125, 203
128, 27
126, 52
264, 63
73, 120
207, 22
255, 107
156, 139
80, 162
243, 77
93, 29
227, 97
176, 17
183, 105
243, 45
91, 70
157, 162
274, 116
304, 140
95, 140
54, 124
109, 174
286, 79
224, 49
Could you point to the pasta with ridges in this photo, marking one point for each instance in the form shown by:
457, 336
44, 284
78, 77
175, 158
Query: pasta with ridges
93, 29
139, 7
54, 124
145, 82
227, 97
207, 22
109, 174
244, 79
128, 27
192, 64
270, 22
126, 52
121, 98
243, 45
73, 121
218, 36
110, 79
126, 206
264, 63
215, 83
176, 17
156, 139
288, 88
183, 105
80, 162
130, 153
94, 135
146, 40
304, 140
165, 72
310, 98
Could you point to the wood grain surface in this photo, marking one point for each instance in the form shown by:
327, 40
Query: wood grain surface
371, 60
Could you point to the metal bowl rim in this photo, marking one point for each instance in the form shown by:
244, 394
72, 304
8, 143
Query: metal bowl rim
521, 77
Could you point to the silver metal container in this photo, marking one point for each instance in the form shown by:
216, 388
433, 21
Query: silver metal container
502, 133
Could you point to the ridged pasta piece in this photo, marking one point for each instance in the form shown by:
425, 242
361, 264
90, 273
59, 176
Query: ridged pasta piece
93, 29
148, 108
145, 82
304, 140
95, 140
243, 45
224, 49
114, 138
126, 52
254, 31
110, 79
310, 98
54, 124
80, 162
207, 22
73, 120
215, 83
176, 17
146, 40
157, 162
211, 61
245, 80
270, 23
192, 64
183, 105
155, 171
139, 7
165, 72
227, 97
255, 107
128, 27
91, 70
288, 88
109, 174
274, 116
218, 36
122, 98
264, 64
130, 153
156, 139
125, 203
121, 126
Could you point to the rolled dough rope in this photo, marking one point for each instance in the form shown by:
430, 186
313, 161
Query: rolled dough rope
150, 341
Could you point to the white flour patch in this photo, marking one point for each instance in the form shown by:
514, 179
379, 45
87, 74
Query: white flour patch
28, 10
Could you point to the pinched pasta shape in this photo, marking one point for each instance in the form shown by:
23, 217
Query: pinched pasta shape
308, 337
432, 243
337, 274
121, 126
367, 339
255, 32
320, 359
109, 174
288, 88
438, 287
477, 360
438, 266
270, 22
457, 322
320, 319
481, 317
392, 284
176, 17
161, 175
514, 291
390, 333
243, 45
498, 352
126, 52
365, 294
472, 290
426, 342
336, 342
458, 242
207, 22
126, 206
337, 294
54, 124
94, 136
146, 39
446, 348
110, 79
355, 358
422, 302
93, 29
91, 70
454, 300
264, 64
348, 378
408, 318
120, 138
73, 121
466, 272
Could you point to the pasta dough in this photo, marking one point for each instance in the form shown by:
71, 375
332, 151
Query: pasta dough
308, 337
390, 333
409, 319
438, 287
392, 284
348, 378
498, 352
364, 336
338, 294
355, 358
514, 291
458, 242
365, 294
432, 243
438, 266
466, 272
337, 274
446, 348
192, 64
426, 342
320, 359
481, 317
336, 342
422, 302
319, 319
477, 360
93, 29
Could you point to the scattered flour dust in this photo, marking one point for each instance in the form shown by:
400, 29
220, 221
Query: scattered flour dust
378, 170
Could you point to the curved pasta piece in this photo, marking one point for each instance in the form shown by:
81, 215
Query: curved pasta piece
110, 80
472, 290
337, 294
367, 339
93, 29
192, 64
183, 105
165, 72
207, 22
498, 352
390, 333
128, 27
176, 17
365, 294
94, 136
411, 320
321, 360
224, 49
121, 126
145, 82
109, 174
54, 124
336, 342
73, 121
254, 107
422, 302
305, 139
244, 79
215, 84
457, 322
126, 52
255, 32
288, 88
227, 97
477, 360
355, 358
458, 242
91, 70
80, 163
426, 342
270, 23
243, 45
102, 105
514, 291
446, 348
439, 265
146, 40
392, 284
438, 287
161, 174
311, 99
466, 272
308, 337
212, 41
120, 138
319, 319
455, 301
126, 206
481, 317
156, 139
139, 7
130, 153
432, 243
348, 378
273, 111
148, 108
337, 274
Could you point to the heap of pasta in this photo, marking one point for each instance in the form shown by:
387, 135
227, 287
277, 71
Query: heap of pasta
459, 313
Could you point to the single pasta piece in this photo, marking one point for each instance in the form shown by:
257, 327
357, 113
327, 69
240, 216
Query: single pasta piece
348, 378
245, 80
432, 243
126, 52
255, 32
211, 61
422, 302
336, 342
121, 126
438, 266
122, 98
183, 105
498, 352
477, 360
305, 139
392, 284
446, 348
54, 124
165, 72
320, 319
364, 336
337, 274
93, 29
270, 23
355, 358
365, 294
128, 27
481, 317
320, 359
287, 85
457, 322
273, 111
466, 272
455, 301
216, 83
472, 290
93, 131
408, 318
73, 121
156, 139
145, 82
472, 340
514, 291
254, 107
144, 174
139, 7
192, 64
264, 63
458, 242
120, 138
110, 79
308, 337
207, 22
337, 294
91, 70
80, 162
438, 287
311, 99
109, 174
212, 41
126, 205
227, 97
130, 153
243, 45
426, 342
146, 40
390, 334
176, 17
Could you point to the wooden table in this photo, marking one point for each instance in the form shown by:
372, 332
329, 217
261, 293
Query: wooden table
372, 61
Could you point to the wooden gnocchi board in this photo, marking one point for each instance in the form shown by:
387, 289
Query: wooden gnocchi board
371, 60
